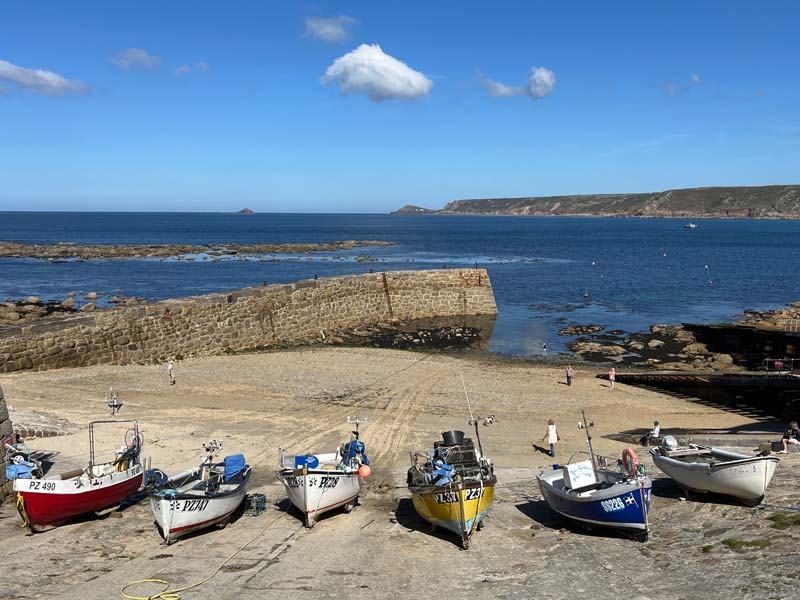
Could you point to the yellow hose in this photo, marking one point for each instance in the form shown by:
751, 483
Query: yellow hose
168, 594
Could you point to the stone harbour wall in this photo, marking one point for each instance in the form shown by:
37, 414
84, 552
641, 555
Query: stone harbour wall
256, 317
5, 432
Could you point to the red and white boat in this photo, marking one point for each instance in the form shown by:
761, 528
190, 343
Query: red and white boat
96, 488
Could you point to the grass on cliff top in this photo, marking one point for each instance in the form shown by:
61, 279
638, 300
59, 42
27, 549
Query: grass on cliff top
739, 545
784, 520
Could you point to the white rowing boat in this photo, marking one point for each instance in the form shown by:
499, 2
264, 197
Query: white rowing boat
704, 469
199, 497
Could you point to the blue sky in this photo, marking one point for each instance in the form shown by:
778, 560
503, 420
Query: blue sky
214, 106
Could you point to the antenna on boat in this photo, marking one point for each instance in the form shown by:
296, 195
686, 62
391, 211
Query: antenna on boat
112, 401
472, 420
358, 421
584, 425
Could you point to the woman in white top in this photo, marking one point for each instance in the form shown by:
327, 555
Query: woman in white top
552, 436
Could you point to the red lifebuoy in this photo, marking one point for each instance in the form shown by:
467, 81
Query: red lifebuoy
630, 462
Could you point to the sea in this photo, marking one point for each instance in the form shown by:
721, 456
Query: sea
547, 272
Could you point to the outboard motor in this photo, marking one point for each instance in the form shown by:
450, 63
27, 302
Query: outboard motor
669, 443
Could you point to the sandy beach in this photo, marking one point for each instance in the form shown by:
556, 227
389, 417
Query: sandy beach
300, 399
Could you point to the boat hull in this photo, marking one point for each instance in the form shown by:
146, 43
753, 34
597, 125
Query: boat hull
457, 507
622, 506
53, 501
740, 476
178, 515
315, 492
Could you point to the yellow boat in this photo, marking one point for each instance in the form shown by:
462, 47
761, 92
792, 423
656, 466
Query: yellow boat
453, 486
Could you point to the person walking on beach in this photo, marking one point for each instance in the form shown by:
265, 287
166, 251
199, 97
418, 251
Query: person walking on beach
544, 348
570, 373
612, 377
170, 372
552, 437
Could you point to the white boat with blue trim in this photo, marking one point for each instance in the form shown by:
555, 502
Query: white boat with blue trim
601, 492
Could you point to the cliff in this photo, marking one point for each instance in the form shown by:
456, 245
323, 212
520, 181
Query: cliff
763, 202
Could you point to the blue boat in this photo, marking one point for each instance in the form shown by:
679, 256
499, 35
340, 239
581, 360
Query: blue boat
601, 492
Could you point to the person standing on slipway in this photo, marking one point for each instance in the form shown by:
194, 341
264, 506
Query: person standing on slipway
552, 437
570, 374
170, 372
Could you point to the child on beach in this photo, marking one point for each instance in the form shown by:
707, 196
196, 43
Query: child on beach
570, 373
170, 367
612, 376
552, 437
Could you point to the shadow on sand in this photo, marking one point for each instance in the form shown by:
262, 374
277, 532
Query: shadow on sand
407, 516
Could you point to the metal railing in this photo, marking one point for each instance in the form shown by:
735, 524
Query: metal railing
780, 365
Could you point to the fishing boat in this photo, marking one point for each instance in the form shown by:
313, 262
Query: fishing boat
452, 485
319, 483
100, 486
200, 497
704, 469
601, 491
691, 226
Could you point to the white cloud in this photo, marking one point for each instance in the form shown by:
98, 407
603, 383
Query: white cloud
541, 82
330, 29
135, 58
39, 80
201, 67
369, 70
674, 89
497, 89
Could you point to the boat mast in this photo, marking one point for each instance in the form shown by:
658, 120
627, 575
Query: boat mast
584, 425
472, 420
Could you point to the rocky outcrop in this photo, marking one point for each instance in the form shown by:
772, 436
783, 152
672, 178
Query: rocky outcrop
67, 250
666, 347
410, 209
14, 313
748, 202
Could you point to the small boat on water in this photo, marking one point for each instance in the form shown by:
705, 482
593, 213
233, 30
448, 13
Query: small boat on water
96, 488
691, 226
601, 492
704, 469
199, 497
319, 483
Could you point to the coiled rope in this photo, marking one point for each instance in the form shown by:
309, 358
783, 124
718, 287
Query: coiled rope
172, 594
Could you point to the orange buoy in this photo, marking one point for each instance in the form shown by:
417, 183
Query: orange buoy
364, 471
630, 462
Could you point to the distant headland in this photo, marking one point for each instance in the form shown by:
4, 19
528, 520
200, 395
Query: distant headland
246, 211
743, 202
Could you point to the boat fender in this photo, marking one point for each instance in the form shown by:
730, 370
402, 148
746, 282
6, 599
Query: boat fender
364, 471
630, 462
